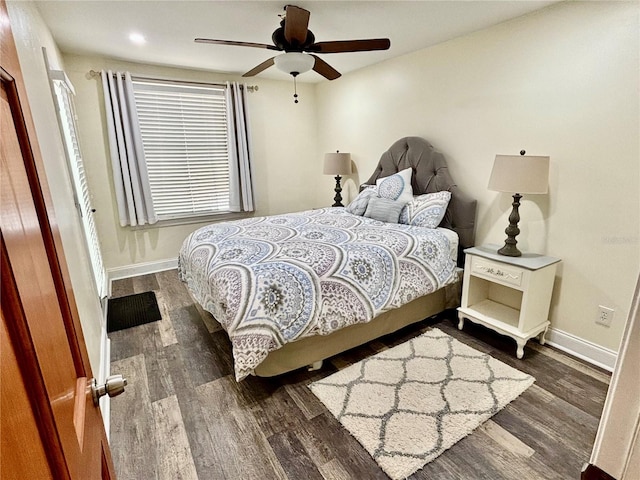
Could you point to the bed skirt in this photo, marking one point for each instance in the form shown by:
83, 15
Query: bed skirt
309, 350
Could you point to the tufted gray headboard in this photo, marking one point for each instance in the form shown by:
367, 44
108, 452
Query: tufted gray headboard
430, 174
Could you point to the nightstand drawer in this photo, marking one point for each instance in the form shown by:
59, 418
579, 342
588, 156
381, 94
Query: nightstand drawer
496, 271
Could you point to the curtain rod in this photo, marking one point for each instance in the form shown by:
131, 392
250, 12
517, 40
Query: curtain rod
251, 88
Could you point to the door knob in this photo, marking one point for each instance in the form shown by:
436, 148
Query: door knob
113, 386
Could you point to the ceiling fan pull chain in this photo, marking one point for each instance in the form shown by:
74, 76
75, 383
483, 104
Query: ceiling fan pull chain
295, 88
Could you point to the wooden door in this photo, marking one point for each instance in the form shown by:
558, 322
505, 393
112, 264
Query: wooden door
50, 427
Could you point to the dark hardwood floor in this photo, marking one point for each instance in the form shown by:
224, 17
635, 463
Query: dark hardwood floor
183, 416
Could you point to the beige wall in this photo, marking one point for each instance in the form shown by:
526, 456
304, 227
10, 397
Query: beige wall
31, 34
283, 138
561, 82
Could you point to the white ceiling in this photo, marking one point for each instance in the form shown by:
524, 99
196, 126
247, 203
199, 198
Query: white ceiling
103, 27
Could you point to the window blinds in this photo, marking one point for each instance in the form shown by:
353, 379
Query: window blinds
67, 119
185, 138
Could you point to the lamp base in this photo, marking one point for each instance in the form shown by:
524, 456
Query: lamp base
338, 198
510, 249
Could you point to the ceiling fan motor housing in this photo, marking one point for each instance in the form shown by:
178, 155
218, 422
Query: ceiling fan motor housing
281, 42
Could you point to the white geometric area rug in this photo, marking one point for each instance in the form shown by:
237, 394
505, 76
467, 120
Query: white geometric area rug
408, 404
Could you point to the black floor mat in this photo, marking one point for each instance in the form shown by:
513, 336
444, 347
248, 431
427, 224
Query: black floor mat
132, 310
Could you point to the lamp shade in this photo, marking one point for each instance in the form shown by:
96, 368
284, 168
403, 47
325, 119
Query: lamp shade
337, 164
294, 62
520, 174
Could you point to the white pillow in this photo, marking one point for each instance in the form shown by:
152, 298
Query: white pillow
426, 210
396, 187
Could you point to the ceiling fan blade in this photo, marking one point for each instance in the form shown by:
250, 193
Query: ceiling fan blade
296, 23
341, 46
238, 44
263, 66
324, 69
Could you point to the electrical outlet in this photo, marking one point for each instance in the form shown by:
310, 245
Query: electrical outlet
605, 315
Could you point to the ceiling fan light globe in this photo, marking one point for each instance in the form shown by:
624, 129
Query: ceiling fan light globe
294, 62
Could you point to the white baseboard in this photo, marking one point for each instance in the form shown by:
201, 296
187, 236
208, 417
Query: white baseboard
146, 268
578, 347
583, 349
105, 369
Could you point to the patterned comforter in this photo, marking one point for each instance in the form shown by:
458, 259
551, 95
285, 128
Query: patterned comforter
273, 280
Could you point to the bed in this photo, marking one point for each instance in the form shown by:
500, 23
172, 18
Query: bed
292, 290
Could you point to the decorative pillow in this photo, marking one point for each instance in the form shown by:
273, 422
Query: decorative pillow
426, 210
396, 186
359, 204
384, 209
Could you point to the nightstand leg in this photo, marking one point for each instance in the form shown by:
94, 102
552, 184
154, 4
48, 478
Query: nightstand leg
520, 351
541, 338
460, 322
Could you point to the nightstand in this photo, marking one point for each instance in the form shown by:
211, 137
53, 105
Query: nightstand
510, 295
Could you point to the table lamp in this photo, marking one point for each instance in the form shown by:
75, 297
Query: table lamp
518, 174
337, 164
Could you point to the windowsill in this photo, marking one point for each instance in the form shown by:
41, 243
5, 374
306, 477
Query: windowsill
209, 218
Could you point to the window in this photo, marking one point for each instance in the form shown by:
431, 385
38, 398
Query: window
178, 149
63, 95
184, 133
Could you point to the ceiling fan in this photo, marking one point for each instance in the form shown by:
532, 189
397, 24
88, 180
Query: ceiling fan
300, 47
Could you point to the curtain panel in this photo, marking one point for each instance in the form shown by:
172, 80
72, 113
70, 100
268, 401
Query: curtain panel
130, 176
240, 158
